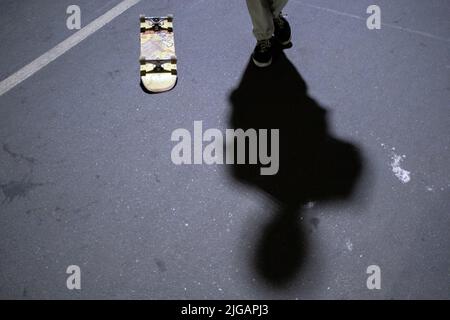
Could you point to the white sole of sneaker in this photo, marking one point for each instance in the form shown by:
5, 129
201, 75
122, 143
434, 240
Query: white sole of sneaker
285, 42
262, 64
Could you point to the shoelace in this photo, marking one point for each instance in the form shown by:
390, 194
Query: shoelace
279, 21
264, 45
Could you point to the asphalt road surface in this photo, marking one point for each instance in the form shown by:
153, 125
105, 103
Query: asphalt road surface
87, 178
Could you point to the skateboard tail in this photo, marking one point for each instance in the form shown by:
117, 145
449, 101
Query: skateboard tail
158, 85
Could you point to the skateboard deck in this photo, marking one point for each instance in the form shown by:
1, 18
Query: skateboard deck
158, 62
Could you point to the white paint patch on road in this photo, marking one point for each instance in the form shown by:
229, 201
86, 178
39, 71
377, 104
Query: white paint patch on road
349, 245
61, 48
402, 174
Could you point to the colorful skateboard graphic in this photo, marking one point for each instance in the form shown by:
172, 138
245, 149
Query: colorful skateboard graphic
158, 62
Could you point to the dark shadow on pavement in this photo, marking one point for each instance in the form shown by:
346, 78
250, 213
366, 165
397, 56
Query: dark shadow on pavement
314, 165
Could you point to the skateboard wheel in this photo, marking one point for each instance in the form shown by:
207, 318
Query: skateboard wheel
142, 59
170, 17
170, 29
173, 72
143, 29
173, 60
142, 18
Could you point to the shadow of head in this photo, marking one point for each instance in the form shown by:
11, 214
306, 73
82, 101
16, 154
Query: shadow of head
313, 165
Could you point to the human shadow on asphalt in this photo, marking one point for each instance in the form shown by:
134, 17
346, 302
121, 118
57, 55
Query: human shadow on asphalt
313, 165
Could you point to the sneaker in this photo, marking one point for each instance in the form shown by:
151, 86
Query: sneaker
262, 55
282, 30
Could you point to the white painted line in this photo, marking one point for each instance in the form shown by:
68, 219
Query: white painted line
389, 25
61, 48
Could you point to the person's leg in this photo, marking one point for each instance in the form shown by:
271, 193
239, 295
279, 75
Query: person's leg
277, 7
282, 29
263, 29
262, 18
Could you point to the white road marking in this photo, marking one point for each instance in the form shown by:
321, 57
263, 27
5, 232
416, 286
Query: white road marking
389, 25
61, 48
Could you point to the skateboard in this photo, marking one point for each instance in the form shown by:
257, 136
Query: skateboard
158, 62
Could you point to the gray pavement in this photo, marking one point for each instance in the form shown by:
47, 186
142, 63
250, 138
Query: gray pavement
86, 176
